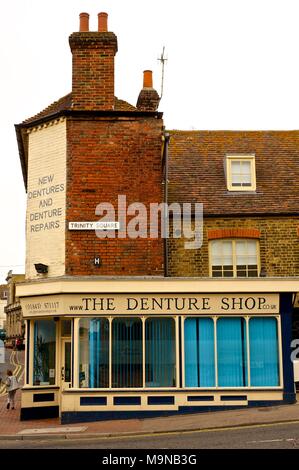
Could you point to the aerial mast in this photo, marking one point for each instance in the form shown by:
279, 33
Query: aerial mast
162, 59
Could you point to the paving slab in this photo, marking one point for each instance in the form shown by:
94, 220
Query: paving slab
49, 430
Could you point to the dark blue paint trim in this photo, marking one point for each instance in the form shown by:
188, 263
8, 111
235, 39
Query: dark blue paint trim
162, 400
286, 310
127, 401
90, 401
39, 412
88, 416
233, 397
39, 397
200, 398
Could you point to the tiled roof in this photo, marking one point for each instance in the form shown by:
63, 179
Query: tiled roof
196, 170
65, 104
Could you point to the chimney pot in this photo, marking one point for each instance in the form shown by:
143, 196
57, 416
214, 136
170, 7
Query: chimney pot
84, 22
102, 22
147, 79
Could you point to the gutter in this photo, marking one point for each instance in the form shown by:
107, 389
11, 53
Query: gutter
166, 138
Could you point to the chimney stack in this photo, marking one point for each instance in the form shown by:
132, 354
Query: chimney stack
148, 99
93, 66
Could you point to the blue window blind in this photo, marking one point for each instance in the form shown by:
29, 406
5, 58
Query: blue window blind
199, 352
126, 352
264, 362
98, 353
160, 352
232, 352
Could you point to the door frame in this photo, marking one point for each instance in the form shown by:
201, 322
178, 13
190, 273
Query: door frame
65, 385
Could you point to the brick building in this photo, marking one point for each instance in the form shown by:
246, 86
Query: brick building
130, 326
15, 326
3, 301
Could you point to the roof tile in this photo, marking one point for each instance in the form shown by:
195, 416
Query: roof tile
196, 171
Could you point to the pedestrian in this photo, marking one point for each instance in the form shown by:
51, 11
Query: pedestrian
12, 386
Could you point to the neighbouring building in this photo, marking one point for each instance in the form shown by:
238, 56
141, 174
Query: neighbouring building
118, 326
15, 326
3, 302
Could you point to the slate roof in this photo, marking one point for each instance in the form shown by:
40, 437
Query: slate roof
196, 171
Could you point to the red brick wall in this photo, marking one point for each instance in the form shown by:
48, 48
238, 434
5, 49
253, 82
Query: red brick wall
107, 158
93, 70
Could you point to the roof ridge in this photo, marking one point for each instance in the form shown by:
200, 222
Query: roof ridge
65, 103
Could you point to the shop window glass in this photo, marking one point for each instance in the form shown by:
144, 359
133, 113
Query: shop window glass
94, 353
127, 353
160, 360
44, 352
264, 357
232, 352
199, 352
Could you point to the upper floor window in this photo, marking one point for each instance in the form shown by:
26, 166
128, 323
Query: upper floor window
234, 258
240, 172
5, 294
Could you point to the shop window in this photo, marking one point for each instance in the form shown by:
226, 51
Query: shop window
240, 172
160, 360
127, 354
94, 353
199, 352
234, 258
264, 355
232, 352
44, 352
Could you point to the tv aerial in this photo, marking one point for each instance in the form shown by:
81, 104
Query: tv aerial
162, 59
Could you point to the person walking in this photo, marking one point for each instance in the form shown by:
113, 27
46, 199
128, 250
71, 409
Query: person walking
12, 386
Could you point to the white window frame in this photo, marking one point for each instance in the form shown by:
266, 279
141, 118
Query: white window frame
240, 158
234, 256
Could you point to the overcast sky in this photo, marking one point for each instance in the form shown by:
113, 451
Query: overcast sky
232, 64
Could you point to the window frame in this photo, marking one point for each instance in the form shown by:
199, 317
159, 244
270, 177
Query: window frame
143, 387
242, 158
234, 257
248, 387
32, 369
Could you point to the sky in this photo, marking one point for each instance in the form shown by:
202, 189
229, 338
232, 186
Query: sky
231, 64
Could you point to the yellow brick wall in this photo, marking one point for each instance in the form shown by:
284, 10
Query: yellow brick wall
279, 246
46, 199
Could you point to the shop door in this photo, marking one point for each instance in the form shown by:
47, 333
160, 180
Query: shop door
66, 361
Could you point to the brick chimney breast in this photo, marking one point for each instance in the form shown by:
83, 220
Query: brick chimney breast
148, 99
93, 67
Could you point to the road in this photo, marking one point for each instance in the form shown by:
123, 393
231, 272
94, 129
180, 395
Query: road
284, 436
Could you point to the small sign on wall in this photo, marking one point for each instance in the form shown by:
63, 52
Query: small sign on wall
93, 225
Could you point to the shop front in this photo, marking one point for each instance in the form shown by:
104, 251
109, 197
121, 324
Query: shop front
121, 348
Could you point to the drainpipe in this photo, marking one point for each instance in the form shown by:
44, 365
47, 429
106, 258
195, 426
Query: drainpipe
166, 138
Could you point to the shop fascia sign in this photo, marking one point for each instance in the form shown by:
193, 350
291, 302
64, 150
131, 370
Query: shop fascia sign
151, 304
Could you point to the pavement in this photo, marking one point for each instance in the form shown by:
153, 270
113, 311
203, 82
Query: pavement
11, 428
